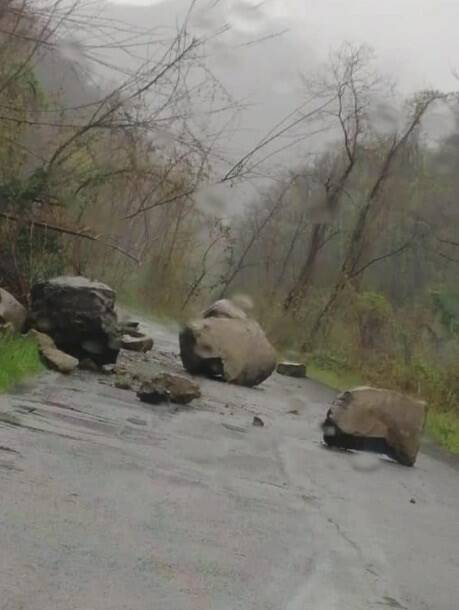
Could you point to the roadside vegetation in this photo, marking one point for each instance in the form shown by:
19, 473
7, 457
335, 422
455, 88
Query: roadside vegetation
350, 254
444, 428
19, 358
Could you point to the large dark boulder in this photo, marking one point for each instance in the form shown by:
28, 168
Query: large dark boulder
79, 315
226, 344
379, 420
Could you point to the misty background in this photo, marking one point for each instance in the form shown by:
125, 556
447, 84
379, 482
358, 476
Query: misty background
261, 51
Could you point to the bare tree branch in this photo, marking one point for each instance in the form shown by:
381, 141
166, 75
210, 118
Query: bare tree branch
82, 233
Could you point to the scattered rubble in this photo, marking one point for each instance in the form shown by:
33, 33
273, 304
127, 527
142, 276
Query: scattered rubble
124, 382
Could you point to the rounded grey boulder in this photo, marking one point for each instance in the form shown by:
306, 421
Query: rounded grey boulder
227, 345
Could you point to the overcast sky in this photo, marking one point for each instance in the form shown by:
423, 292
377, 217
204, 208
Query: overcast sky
415, 39
416, 43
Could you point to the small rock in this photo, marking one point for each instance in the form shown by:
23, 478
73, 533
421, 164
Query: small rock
120, 370
6, 329
123, 382
109, 369
294, 412
137, 343
87, 364
292, 369
413, 501
257, 421
169, 388
53, 357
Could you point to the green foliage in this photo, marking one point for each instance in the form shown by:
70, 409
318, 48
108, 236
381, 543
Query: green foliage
18, 193
338, 379
19, 358
373, 313
22, 96
444, 428
374, 304
326, 361
446, 306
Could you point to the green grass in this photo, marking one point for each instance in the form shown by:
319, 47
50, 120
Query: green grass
338, 380
444, 428
19, 358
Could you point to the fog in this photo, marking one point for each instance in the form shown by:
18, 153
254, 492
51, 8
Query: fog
270, 44
415, 39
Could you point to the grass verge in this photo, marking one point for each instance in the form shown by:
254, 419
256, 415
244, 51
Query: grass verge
338, 380
19, 358
444, 428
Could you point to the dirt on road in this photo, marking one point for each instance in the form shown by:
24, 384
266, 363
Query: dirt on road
107, 503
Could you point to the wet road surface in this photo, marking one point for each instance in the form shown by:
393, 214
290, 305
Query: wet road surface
108, 504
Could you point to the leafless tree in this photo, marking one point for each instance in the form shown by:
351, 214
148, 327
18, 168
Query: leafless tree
351, 83
353, 265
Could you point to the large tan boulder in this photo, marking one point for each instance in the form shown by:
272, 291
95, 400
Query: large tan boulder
229, 346
224, 308
379, 420
12, 313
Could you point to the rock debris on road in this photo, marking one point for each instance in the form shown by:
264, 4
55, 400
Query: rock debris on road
107, 504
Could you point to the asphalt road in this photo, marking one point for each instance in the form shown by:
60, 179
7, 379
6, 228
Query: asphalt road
106, 503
